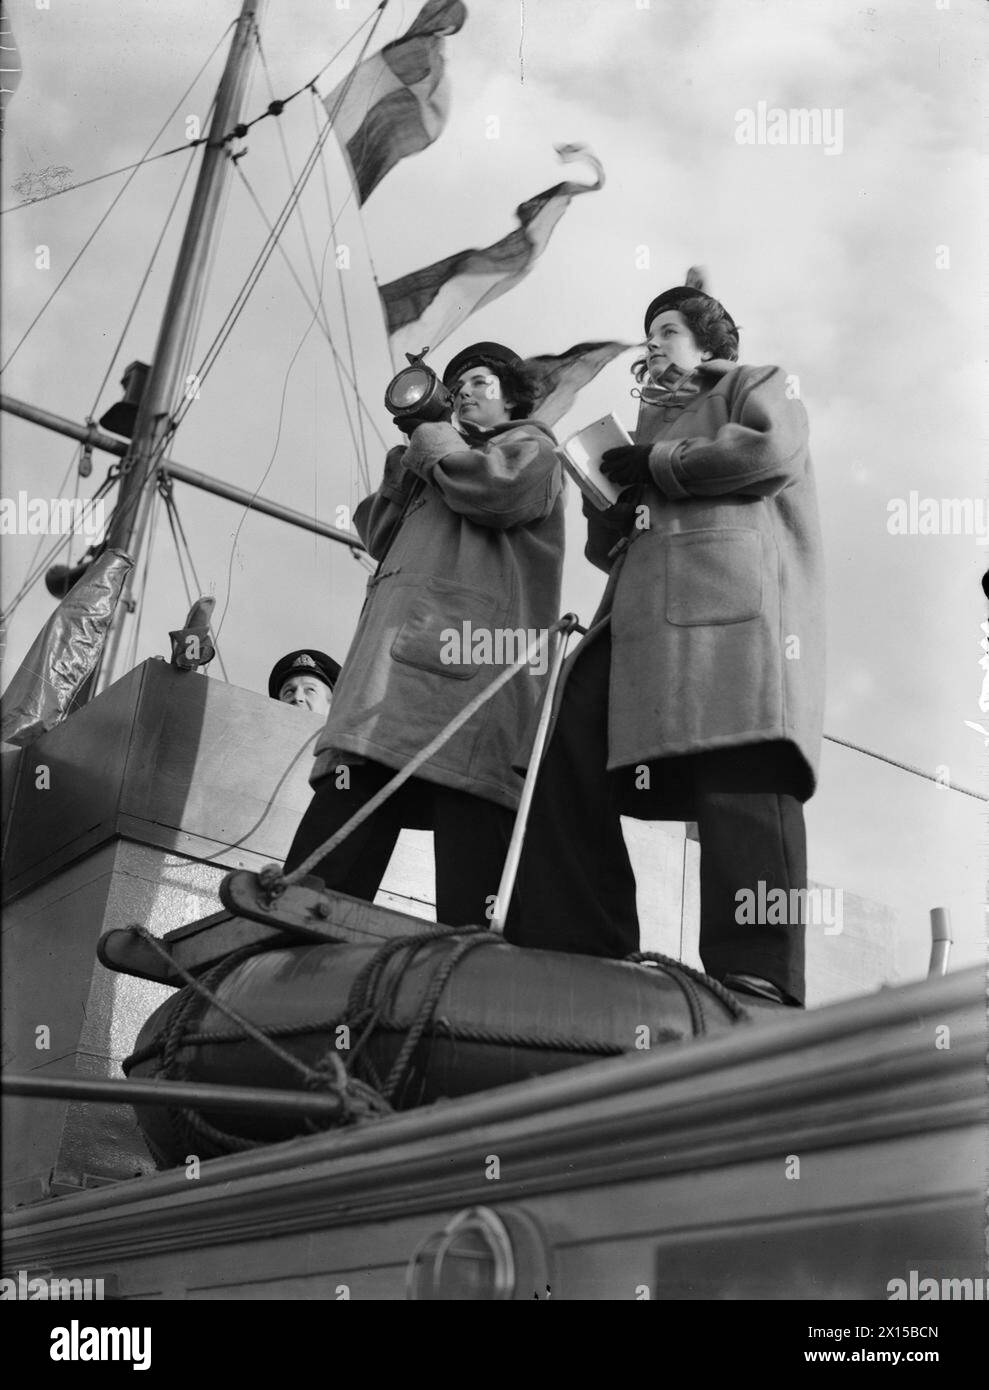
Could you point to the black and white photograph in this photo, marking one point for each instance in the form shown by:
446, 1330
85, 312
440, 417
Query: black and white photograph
494, 658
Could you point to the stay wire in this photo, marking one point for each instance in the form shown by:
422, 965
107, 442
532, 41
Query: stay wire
175, 520
275, 878
265, 253
277, 107
133, 173
110, 174
305, 294
906, 767
360, 220
317, 279
131, 661
199, 591
196, 321
73, 463
240, 301
378, 13
363, 468
243, 295
178, 551
233, 314
124, 510
56, 549
291, 179
191, 144
142, 286
271, 461
77, 460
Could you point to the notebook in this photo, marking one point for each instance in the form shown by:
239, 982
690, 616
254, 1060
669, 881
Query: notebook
581, 457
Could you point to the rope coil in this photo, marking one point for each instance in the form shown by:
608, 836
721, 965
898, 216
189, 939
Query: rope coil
370, 1012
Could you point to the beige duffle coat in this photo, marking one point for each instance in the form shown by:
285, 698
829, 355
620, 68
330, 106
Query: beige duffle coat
716, 606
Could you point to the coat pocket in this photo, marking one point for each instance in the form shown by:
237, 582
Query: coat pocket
713, 577
441, 620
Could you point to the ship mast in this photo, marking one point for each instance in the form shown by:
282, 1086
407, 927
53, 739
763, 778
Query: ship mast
129, 520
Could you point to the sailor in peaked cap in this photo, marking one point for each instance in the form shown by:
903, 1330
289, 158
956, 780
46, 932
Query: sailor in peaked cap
304, 678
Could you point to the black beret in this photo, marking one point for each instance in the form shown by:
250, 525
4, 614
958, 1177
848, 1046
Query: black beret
674, 298
480, 354
307, 662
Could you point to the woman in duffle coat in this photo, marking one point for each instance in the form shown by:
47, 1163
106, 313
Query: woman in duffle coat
468, 527
698, 692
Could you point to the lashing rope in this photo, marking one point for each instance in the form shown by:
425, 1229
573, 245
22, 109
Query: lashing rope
358, 1101
440, 1027
478, 937
686, 977
371, 995
205, 989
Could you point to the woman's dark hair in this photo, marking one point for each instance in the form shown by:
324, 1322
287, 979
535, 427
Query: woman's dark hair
713, 331
518, 385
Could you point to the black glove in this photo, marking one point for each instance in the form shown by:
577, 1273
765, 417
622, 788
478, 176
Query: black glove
620, 517
408, 423
627, 465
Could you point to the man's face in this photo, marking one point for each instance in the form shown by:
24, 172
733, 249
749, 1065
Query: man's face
478, 401
670, 343
306, 692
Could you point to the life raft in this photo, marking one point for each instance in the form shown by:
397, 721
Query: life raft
404, 1024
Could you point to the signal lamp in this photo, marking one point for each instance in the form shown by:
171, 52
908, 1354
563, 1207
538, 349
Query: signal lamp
417, 390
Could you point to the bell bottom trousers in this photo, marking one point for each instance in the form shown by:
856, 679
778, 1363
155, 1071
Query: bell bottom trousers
576, 889
470, 837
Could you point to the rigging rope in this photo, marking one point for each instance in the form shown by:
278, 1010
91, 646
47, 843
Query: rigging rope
358, 1101
265, 253
271, 463
184, 382
241, 300
273, 879
291, 180
77, 459
139, 604
360, 220
338, 360
178, 548
110, 174
175, 521
318, 278
59, 545
73, 462
142, 286
234, 134
907, 767
370, 1011
167, 437
119, 195
365, 474
275, 108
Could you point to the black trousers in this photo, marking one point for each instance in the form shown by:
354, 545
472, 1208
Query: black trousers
576, 889
471, 837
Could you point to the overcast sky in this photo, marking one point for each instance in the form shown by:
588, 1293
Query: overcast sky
832, 264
